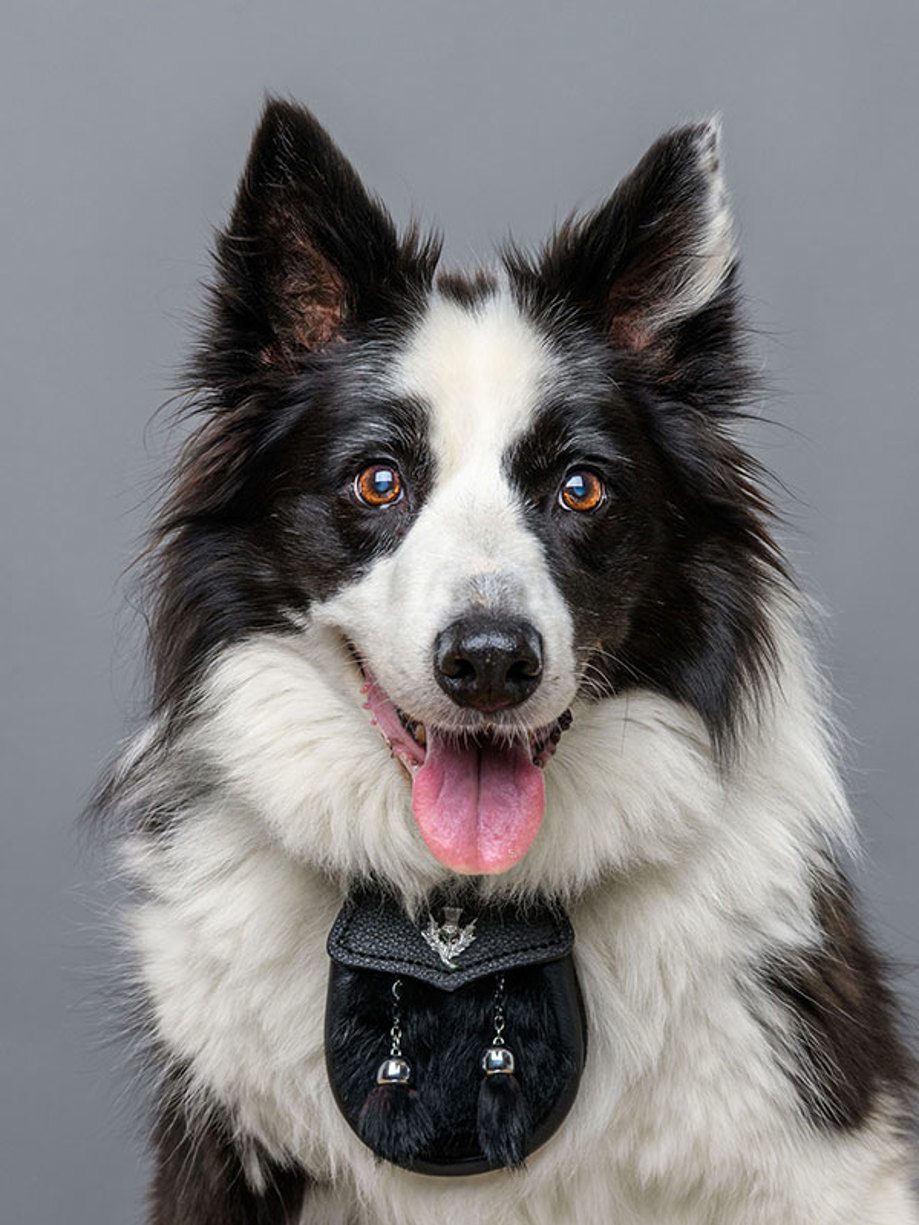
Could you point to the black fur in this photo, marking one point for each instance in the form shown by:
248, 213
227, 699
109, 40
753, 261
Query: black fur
502, 1120
468, 290
623, 266
846, 1047
396, 1123
444, 1037
668, 579
309, 265
199, 1177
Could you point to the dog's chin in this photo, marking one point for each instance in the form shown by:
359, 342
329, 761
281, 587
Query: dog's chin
478, 792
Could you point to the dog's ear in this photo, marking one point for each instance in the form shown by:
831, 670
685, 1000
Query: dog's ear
307, 251
658, 253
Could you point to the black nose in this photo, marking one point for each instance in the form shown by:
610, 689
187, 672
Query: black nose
489, 663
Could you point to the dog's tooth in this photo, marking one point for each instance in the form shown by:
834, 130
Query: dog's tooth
420, 733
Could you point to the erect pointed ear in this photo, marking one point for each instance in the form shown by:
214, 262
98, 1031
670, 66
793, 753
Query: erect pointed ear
657, 253
307, 251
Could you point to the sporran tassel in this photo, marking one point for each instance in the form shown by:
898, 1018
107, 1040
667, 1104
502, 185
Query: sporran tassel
393, 1121
502, 1119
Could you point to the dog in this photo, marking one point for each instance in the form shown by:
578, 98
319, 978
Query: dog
466, 582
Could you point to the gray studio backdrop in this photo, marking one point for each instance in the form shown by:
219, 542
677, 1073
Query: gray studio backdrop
124, 125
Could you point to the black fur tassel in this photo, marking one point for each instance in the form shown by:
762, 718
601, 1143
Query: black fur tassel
503, 1120
395, 1123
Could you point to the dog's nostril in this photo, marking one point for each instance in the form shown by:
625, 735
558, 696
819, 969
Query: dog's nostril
457, 668
488, 662
523, 670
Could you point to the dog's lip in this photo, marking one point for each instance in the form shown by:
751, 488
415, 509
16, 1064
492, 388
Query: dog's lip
407, 739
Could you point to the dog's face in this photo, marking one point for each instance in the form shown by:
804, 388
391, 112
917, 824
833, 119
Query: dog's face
501, 495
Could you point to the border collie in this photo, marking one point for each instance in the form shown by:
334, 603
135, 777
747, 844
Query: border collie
466, 581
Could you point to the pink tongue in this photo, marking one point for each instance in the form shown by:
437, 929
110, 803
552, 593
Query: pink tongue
478, 807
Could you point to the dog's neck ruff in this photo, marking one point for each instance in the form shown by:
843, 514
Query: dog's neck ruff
455, 1042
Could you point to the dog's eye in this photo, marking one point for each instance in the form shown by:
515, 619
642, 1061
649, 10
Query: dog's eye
378, 485
581, 490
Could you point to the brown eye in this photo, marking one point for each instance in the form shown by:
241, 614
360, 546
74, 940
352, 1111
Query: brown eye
378, 485
581, 490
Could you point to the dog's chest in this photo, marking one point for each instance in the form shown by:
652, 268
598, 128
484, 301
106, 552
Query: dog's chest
231, 946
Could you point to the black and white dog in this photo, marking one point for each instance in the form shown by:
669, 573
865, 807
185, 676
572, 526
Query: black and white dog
502, 520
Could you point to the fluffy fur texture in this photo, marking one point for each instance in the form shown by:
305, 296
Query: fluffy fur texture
743, 1061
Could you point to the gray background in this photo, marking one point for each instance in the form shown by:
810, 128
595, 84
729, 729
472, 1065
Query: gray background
124, 126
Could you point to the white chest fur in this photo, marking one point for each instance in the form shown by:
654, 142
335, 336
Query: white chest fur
683, 1116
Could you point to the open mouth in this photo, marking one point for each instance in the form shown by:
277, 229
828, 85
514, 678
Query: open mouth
478, 797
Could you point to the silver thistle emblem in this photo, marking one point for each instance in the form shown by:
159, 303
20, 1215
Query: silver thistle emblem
448, 939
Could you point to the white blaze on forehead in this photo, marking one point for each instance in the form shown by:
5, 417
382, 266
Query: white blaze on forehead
481, 372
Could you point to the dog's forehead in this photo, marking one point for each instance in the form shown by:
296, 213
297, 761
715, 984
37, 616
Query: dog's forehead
482, 370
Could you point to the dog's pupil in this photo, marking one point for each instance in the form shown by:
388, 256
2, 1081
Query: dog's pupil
581, 491
378, 485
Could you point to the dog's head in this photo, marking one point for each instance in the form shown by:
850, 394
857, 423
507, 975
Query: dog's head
502, 495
